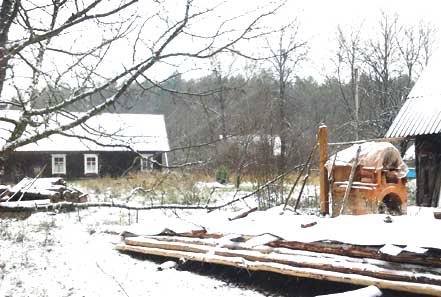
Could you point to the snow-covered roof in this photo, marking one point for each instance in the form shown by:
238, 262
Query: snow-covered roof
108, 131
372, 154
421, 113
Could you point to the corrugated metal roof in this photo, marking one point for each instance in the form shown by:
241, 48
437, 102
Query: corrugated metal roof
421, 113
418, 116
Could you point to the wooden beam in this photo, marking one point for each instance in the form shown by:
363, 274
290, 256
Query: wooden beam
350, 181
324, 183
305, 260
319, 249
358, 252
239, 262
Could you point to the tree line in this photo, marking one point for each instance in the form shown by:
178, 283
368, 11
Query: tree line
265, 119
260, 118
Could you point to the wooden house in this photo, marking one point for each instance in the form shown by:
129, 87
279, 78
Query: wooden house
420, 120
108, 144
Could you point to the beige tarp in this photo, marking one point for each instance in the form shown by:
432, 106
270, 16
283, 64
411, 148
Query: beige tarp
378, 155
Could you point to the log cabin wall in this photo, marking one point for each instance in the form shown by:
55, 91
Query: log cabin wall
21, 164
428, 169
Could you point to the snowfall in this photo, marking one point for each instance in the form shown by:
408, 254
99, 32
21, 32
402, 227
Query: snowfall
73, 254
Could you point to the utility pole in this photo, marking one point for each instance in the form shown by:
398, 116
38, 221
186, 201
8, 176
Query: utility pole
356, 103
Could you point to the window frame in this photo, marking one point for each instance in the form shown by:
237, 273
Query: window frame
86, 168
62, 156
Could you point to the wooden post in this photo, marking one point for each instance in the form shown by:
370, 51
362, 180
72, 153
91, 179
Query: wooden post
324, 183
357, 105
350, 181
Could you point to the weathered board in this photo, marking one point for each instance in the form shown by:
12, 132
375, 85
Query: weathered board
266, 253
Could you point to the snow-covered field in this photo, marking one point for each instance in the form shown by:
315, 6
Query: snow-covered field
58, 255
72, 254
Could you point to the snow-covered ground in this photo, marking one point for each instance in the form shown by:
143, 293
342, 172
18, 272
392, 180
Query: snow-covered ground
58, 255
72, 254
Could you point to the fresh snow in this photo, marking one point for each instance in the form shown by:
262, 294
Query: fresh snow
408, 230
72, 254
58, 255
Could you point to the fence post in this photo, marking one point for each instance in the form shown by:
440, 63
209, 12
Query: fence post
324, 183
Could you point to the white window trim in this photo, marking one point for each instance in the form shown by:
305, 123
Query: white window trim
95, 170
63, 156
146, 157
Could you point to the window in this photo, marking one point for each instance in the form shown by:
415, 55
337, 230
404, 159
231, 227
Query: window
59, 164
146, 162
90, 163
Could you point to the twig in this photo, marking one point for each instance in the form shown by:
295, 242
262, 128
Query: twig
111, 276
305, 179
243, 215
258, 189
300, 174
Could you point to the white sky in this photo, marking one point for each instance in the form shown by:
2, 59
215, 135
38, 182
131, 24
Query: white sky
320, 18
318, 22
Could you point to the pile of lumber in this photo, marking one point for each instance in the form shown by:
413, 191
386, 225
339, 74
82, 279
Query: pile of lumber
358, 265
55, 189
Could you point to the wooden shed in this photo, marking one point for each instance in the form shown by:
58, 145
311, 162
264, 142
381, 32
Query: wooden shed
419, 119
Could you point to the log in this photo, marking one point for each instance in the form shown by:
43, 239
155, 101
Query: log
238, 262
242, 245
243, 215
71, 206
359, 252
299, 260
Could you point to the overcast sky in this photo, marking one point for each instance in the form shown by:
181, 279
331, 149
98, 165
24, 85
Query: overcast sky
320, 18
318, 21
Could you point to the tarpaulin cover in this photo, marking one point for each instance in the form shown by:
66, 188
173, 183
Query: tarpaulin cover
378, 155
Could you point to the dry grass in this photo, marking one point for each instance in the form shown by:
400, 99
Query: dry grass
164, 187
179, 187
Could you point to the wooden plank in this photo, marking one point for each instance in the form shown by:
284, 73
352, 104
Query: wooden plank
297, 260
239, 262
265, 249
363, 252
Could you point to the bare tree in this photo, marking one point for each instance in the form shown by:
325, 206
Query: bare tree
290, 50
429, 32
67, 43
347, 62
381, 56
415, 45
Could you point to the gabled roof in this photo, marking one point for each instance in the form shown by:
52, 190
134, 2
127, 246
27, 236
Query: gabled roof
111, 132
421, 113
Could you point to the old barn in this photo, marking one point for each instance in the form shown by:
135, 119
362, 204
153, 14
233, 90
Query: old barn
420, 120
106, 145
